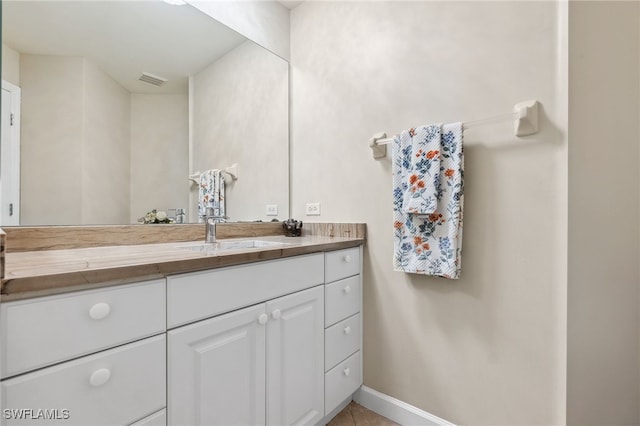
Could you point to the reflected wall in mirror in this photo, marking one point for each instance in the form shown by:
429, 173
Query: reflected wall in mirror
248, 82
99, 146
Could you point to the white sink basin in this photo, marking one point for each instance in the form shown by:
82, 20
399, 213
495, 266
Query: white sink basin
234, 245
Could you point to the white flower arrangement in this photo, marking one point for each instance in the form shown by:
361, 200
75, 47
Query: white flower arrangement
155, 216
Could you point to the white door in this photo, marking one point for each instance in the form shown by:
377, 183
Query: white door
217, 370
10, 156
295, 358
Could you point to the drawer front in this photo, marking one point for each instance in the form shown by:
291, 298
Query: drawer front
201, 295
114, 387
342, 299
341, 381
156, 419
341, 340
342, 264
40, 332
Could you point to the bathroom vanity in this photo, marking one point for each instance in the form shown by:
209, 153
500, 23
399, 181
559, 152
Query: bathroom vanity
273, 341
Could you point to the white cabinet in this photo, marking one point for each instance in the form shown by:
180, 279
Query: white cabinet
342, 340
113, 387
342, 381
342, 263
199, 295
85, 358
266, 343
156, 419
295, 358
216, 370
259, 365
41, 331
343, 322
343, 299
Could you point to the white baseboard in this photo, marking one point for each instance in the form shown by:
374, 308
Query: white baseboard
396, 410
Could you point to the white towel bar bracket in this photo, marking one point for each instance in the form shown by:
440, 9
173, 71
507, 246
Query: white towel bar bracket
524, 116
526, 121
379, 150
232, 171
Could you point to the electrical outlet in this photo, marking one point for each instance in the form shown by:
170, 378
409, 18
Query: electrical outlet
313, 209
272, 210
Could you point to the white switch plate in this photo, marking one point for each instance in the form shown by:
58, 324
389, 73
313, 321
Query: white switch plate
313, 209
272, 210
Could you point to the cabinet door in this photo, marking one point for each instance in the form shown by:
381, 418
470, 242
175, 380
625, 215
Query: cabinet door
295, 356
217, 370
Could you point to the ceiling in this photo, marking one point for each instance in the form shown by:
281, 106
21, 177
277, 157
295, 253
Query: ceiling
124, 38
290, 4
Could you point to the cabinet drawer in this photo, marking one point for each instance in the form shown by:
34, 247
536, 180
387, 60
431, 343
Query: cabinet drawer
114, 387
341, 340
156, 419
43, 331
341, 264
341, 381
201, 295
342, 299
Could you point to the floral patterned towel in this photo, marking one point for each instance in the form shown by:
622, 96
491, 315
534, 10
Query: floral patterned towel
211, 193
429, 244
423, 171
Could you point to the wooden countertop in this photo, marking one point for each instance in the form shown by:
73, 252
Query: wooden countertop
39, 273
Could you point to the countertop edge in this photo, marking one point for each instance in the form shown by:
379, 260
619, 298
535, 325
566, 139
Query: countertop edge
26, 287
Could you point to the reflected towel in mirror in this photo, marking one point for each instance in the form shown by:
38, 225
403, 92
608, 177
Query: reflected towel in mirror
211, 193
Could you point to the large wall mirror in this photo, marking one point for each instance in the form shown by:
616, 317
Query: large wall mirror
119, 102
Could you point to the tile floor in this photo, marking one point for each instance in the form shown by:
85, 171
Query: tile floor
356, 415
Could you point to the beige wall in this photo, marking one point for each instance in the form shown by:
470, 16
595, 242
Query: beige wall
75, 151
248, 82
604, 183
159, 153
106, 180
10, 65
51, 139
489, 349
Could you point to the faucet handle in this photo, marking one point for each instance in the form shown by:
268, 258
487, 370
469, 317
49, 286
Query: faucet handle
214, 213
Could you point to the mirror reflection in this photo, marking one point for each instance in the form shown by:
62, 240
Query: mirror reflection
118, 103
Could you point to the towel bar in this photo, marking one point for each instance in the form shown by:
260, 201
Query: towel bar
525, 116
232, 171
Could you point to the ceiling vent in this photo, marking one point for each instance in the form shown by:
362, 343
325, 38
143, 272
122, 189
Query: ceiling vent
152, 79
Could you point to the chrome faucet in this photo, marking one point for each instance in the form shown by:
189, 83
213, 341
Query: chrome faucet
211, 219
